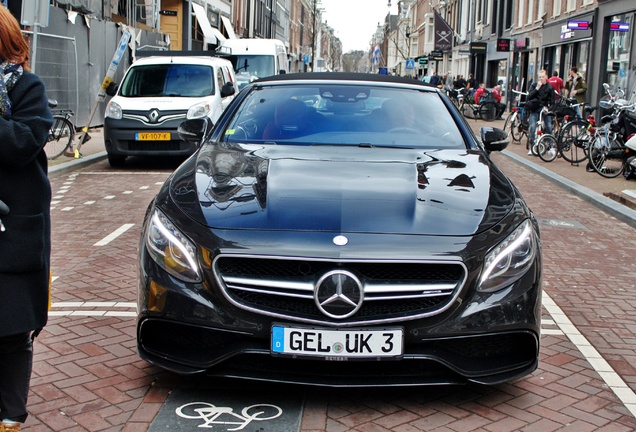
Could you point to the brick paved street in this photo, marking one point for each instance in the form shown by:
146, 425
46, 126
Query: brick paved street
88, 377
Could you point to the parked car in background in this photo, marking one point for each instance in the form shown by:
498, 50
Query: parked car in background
324, 234
159, 92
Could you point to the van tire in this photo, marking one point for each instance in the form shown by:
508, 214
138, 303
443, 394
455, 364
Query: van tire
116, 161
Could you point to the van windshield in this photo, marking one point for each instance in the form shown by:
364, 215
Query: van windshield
175, 80
260, 65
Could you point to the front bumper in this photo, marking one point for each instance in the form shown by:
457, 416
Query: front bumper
482, 337
120, 138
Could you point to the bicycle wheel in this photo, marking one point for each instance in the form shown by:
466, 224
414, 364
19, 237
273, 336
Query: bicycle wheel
574, 141
60, 137
606, 156
548, 150
511, 126
488, 111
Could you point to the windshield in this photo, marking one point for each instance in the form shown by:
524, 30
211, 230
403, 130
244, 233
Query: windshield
260, 65
360, 115
183, 80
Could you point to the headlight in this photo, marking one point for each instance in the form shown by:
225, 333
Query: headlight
113, 110
510, 259
199, 110
169, 248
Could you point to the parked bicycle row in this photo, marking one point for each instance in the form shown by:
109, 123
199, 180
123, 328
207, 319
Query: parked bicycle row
569, 130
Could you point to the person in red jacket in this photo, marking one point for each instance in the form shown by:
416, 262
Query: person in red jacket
556, 82
480, 93
501, 107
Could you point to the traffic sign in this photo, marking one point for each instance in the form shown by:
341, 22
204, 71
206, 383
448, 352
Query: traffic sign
410, 64
422, 60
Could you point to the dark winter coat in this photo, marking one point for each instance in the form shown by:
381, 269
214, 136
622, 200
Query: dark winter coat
537, 99
25, 246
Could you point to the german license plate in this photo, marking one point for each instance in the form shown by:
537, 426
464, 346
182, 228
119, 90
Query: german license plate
337, 344
152, 136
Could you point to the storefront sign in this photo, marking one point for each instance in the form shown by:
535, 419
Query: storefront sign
478, 47
503, 44
436, 55
522, 43
578, 25
168, 12
619, 26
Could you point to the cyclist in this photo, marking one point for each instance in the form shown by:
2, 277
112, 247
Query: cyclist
541, 95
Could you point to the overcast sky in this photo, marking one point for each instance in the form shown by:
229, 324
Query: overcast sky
355, 21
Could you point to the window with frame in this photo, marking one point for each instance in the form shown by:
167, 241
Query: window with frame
571, 5
522, 7
530, 14
540, 9
556, 8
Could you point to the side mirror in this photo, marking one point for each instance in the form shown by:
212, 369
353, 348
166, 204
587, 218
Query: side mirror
112, 88
227, 90
195, 130
494, 139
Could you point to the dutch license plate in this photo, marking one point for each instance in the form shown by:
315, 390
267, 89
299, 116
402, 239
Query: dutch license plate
349, 343
152, 136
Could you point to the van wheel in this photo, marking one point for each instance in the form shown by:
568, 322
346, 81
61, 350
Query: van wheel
116, 161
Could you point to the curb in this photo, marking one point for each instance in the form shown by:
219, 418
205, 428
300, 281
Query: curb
74, 164
619, 211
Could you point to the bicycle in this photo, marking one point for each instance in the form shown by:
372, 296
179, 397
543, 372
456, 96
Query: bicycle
61, 133
485, 110
517, 121
546, 145
575, 137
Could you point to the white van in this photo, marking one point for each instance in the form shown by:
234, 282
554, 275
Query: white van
157, 93
255, 57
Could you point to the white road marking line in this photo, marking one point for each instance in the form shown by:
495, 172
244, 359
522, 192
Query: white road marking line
127, 192
55, 202
89, 202
58, 197
144, 187
112, 236
600, 365
67, 209
109, 197
94, 304
75, 309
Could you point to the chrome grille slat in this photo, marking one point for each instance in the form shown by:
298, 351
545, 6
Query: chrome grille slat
394, 291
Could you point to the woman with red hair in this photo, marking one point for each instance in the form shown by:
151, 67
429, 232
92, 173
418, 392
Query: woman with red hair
25, 228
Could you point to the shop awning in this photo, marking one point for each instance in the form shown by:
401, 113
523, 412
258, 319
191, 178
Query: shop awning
210, 34
228, 27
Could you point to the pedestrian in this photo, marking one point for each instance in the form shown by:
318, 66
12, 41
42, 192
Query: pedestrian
556, 82
460, 82
25, 241
577, 88
501, 107
434, 81
540, 96
480, 93
472, 84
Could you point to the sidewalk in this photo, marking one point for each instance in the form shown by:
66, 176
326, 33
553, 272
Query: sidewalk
92, 151
616, 196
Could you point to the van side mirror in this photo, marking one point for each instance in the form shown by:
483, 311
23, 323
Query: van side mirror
195, 130
494, 139
112, 88
227, 90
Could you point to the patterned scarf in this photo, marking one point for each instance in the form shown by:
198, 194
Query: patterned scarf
11, 73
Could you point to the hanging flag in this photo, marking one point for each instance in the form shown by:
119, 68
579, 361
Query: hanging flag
443, 34
375, 58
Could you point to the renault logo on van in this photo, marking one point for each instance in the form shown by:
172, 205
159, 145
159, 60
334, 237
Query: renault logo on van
153, 116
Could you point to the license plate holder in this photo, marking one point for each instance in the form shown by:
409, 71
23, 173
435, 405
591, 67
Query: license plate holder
337, 344
152, 136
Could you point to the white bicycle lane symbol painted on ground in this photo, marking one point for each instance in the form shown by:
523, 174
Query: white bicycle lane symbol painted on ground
211, 414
